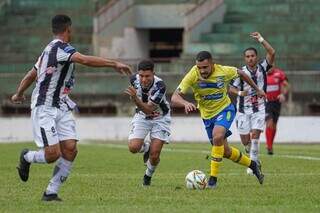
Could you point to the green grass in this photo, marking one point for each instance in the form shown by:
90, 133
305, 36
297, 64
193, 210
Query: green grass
107, 178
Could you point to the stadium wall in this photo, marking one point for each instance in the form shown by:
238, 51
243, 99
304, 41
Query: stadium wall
184, 129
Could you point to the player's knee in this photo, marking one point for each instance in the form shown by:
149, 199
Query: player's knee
133, 148
52, 154
69, 152
218, 139
154, 156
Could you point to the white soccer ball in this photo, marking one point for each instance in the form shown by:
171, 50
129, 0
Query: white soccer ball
196, 179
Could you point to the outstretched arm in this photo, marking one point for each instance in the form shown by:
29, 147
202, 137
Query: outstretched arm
94, 61
237, 92
247, 79
178, 101
270, 51
25, 83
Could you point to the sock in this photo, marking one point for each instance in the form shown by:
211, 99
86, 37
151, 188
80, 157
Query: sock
270, 134
150, 169
145, 147
238, 157
216, 158
35, 156
254, 149
60, 173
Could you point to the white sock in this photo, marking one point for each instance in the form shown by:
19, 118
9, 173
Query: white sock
254, 149
150, 169
145, 147
60, 173
35, 156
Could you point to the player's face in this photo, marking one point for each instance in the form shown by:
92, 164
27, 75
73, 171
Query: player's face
205, 68
146, 77
250, 58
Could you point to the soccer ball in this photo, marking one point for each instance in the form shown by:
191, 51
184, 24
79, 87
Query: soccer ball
196, 179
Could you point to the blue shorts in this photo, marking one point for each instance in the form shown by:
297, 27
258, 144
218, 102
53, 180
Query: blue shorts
224, 118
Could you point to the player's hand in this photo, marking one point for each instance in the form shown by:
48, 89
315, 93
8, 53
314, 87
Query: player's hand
123, 68
261, 93
18, 99
255, 35
244, 93
189, 107
131, 91
281, 98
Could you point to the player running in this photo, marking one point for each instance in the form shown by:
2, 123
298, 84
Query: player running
209, 83
51, 108
148, 93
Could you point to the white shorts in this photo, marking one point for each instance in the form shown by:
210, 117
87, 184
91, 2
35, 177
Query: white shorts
52, 125
247, 122
158, 128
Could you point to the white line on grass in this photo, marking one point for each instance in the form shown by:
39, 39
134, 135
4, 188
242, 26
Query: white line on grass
121, 146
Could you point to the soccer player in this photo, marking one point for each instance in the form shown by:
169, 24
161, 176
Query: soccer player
209, 83
148, 93
52, 120
277, 89
250, 117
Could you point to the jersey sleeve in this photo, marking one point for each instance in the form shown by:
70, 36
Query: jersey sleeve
37, 64
64, 52
231, 73
158, 94
265, 65
235, 83
187, 81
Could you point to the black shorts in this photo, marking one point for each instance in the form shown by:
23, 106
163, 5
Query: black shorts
273, 109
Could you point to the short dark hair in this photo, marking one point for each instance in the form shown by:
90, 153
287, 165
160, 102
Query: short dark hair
203, 55
250, 48
146, 65
60, 23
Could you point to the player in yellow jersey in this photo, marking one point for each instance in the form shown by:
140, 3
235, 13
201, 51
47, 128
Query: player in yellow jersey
209, 83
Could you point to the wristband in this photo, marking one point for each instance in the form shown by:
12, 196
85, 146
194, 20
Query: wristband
261, 39
239, 93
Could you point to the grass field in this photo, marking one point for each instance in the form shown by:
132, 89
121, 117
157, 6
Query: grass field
107, 178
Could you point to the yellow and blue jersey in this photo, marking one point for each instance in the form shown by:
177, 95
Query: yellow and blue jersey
211, 94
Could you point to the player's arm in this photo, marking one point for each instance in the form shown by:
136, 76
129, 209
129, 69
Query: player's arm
95, 61
284, 91
249, 81
25, 83
235, 91
177, 100
147, 108
270, 51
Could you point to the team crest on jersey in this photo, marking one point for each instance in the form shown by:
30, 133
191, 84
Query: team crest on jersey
220, 82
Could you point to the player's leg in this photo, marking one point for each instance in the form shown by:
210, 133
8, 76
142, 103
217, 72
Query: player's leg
46, 138
68, 145
153, 161
243, 125
220, 131
159, 135
139, 130
236, 156
272, 116
258, 125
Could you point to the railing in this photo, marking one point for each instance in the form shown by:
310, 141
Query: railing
109, 13
197, 14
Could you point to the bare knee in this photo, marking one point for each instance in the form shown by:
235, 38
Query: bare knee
134, 147
218, 139
154, 157
52, 153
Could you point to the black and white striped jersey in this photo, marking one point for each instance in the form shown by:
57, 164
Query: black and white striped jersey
156, 93
252, 103
55, 75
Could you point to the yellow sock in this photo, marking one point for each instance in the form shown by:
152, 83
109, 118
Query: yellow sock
216, 158
238, 157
